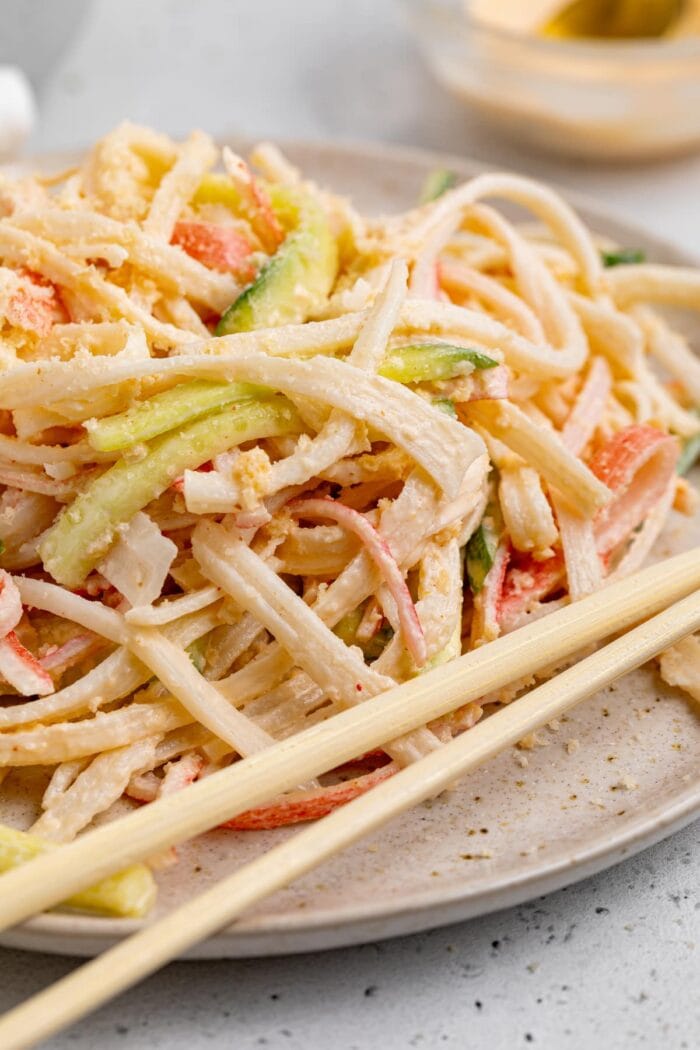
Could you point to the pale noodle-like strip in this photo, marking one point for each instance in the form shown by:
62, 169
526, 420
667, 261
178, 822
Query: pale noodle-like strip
197, 695
321, 551
542, 201
543, 450
664, 408
671, 350
37, 481
424, 282
116, 676
228, 643
94, 790
653, 283
583, 567
105, 298
180, 312
69, 606
389, 464
588, 409
338, 670
526, 511
269, 159
230, 564
406, 524
403, 524
172, 609
23, 516
339, 434
174, 270
537, 286
636, 399
178, 185
61, 779
49, 745
115, 166
40, 455
456, 277
378, 550
443, 447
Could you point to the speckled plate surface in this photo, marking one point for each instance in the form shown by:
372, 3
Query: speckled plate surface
618, 774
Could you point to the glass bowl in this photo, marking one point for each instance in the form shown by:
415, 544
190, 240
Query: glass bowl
608, 100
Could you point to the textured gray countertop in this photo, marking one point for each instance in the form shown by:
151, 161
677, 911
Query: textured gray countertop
611, 963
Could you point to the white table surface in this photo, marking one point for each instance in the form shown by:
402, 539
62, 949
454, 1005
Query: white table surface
611, 963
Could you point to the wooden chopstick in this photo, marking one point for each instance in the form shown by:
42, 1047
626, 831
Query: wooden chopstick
120, 967
58, 875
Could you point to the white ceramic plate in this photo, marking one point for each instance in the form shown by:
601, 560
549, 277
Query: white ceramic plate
510, 831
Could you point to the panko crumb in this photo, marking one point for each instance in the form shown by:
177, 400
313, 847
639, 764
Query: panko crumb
625, 783
680, 666
572, 746
530, 741
522, 761
686, 498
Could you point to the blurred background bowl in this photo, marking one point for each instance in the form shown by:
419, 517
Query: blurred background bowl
606, 100
35, 33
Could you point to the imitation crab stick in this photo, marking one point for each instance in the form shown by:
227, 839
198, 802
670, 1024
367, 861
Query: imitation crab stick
637, 465
217, 247
380, 553
297, 807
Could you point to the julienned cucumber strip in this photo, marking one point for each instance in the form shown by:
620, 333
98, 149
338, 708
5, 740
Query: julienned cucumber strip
85, 530
481, 551
162, 412
426, 362
346, 629
216, 188
197, 652
296, 281
623, 257
128, 894
446, 405
437, 183
690, 454
450, 651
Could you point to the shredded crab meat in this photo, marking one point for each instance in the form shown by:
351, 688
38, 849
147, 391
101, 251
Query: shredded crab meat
139, 562
180, 773
637, 464
295, 808
60, 657
381, 555
583, 566
262, 215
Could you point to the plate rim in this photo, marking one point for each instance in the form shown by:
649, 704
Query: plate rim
361, 922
